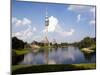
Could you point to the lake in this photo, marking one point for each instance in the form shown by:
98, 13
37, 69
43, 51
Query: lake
68, 55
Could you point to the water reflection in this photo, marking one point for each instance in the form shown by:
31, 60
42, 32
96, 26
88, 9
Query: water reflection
69, 55
89, 56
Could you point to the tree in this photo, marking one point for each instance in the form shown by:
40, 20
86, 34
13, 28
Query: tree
86, 42
17, 44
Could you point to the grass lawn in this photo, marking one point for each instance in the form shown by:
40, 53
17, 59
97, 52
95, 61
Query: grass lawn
20, 69
22, 51
87, 66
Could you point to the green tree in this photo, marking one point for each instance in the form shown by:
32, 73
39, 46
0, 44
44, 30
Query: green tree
17, 44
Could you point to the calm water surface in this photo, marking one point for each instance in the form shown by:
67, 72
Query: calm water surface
69, 55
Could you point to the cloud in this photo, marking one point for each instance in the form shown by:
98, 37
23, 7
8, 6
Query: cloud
26, 21
78, 17
53, 22
93, 11
79, 8
92, 22
26, 34
69, 33
55, 27
34, 29
75, 7
14, 19
20, 22
66, 33
82, 9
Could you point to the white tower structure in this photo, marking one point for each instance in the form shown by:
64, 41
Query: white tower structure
45, 40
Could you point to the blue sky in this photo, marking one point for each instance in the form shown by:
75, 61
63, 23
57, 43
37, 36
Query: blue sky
68, 23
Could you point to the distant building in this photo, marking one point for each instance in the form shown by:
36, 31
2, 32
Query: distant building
34, 45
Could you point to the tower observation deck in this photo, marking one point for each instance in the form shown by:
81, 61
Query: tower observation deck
45, 40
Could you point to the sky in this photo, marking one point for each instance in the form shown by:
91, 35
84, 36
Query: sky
67, 23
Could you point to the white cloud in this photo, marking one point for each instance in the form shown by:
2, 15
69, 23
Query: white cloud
25, 35
55, 27
20, 22
53, 22
14, 19
67, 33
79, 8
93, 11
76, 7
78, 17
34, 29
92, 22
26, 21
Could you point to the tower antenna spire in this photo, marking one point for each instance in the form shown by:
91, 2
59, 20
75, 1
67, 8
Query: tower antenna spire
46, 12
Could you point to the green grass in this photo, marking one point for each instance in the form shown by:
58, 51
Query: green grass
15, 67
86, 65
22, 51
20, 69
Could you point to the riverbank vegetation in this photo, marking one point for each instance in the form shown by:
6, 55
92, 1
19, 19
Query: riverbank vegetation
20, 48
20, 69
87, 44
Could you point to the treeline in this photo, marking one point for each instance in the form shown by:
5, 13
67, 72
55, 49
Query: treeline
40, 43
49, 44
63, 44
86, 42
17, 44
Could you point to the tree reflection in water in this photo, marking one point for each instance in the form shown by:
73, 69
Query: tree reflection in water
89, 56
68, 55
